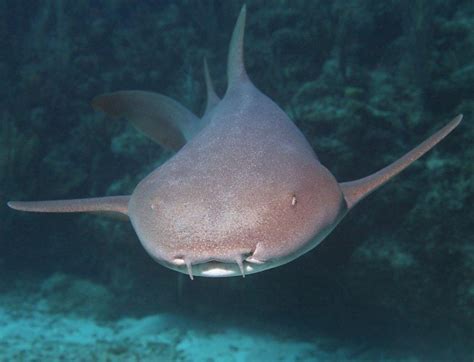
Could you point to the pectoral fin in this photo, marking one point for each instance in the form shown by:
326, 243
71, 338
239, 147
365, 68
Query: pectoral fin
116, 206
159, 117
354, 191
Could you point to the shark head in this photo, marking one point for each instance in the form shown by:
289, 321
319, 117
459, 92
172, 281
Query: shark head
214, 224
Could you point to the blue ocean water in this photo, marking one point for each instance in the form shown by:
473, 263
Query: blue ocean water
365, 81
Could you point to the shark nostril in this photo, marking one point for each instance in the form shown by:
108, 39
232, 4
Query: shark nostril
248, 254
252, 256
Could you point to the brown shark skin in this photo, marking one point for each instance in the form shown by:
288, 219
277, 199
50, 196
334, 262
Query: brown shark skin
249, 178
246, 192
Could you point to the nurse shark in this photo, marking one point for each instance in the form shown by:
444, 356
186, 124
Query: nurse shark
244, 192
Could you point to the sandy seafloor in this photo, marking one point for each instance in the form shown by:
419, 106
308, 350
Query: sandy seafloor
58, 320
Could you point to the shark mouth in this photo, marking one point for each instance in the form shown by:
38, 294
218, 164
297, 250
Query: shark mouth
215, 268
219, 269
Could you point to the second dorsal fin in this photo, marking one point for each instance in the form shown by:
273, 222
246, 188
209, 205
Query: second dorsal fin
212, 97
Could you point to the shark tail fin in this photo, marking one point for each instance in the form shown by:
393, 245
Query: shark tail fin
355, 191
159, 117
236, 72
115, 206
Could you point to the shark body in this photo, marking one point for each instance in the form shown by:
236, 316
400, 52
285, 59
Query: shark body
245, 191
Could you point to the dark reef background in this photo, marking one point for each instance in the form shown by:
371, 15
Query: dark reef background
364, 80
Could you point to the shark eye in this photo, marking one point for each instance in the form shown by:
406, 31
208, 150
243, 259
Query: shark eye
293, 200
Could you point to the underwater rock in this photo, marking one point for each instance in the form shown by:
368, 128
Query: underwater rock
72, 295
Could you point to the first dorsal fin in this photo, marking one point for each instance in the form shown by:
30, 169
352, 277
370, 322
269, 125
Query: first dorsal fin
354, 191
235, 65
159, 117
212, 97
111, 205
